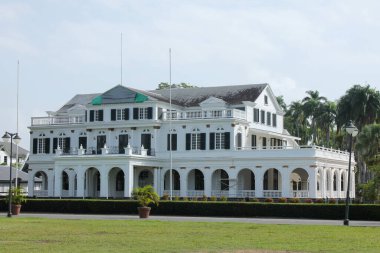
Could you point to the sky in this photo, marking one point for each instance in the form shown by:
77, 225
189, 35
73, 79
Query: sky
74, 47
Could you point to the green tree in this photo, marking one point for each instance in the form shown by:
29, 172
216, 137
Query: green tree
281, 102
325, 119
163, 85
295, 121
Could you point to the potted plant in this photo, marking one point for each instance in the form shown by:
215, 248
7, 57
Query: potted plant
18, 197
145, 195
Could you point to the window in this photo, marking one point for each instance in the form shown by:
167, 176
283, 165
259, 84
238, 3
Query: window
220, 140
274, 120
96, 115
269, 118
196, 141
5, 159
174, 142
41, 145
143, 113
266, 100
253, 141
119, 114
256, 115
264, 142
262, 117
216, 114
62, 142
194, 115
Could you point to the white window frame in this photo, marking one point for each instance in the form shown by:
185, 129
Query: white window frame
195, 141
120, 114
41, 146
143, 113
219, 140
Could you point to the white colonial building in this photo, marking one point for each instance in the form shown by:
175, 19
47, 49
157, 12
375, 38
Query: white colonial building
225, 141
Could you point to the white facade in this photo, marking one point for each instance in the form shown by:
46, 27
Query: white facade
104, 145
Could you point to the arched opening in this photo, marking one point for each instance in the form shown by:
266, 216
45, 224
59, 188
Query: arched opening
116, 183
335, 181
220, 183
299, 180
65, 184
92, 182
246, 183
342, 182
40, 184
176, 183
195, 183
272, 184
145, 178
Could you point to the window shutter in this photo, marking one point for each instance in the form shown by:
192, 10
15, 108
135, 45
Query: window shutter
135, 113
203, 141
91, 115
68, 146
55, 144
212, 141
188, 141
85, 116
113, 114
174, 142
168, 143
100, 115
47, 145
150, 112
126, 114
35, 141
227, 140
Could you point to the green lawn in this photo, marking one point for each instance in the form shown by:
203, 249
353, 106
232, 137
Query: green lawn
57, 235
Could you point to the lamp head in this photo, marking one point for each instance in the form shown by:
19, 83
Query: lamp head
351, 129
16, 139
6, 137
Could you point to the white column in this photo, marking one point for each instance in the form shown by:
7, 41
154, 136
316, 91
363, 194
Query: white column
103, 182
80, 181
232, 175
259, 186
128, 180
207, 182
156, 179
58, 181
71, 174
285, 182
313, 178
183, 182
339, 181
31, 183
322, 186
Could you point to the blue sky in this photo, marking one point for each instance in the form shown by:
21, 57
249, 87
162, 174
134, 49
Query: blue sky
71, 47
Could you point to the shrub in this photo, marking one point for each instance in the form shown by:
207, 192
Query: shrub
319, 201
332, 201
223, 198
185, 199
146, 195
254, 200
212, 198
204, 198
268, 200
308, 201
165, 197
282, 200
176, 198
294, 200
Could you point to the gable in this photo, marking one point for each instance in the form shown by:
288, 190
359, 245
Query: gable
213, 102
118, 95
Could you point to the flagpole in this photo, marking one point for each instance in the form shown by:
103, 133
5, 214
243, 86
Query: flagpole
18, 77
170, 124
121, 58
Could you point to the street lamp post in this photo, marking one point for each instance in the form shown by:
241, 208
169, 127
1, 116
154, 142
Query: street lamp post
16, 139
352, 131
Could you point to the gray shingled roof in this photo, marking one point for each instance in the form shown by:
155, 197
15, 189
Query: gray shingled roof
232, 95
7, 147
80, 99
4, 174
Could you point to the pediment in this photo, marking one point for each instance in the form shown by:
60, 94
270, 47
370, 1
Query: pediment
213, 101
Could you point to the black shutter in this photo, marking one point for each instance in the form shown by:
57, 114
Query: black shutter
68, 146
100, 115
150, 112
203, 141
212, 141
35, 143
47, 145
168, 143
126, 114
227, 140
188, 141
83, 142
91, 115
55, 144
85, 116
174, 142
135, 113
113, 114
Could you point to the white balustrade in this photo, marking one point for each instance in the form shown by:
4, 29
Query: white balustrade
272, 194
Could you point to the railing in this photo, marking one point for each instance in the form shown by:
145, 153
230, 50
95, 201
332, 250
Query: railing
63, 120
209, 114
174, 192
300, 194
108, 151
220, 193
245, 193
40, 193
195, 193
65, 193
272, 194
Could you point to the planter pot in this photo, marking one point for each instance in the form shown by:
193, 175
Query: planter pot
143, 212
16, 209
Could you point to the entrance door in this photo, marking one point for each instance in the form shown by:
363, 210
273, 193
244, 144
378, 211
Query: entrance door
146, 142
100, 142
123, 142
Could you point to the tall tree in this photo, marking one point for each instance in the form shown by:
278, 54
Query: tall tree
281, 102
311, 104
325, 119
164, 85
295, 121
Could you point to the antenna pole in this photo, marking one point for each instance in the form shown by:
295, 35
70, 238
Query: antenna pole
170, 124
121, 58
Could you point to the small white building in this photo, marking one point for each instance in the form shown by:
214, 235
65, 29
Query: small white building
225, 141
5, 151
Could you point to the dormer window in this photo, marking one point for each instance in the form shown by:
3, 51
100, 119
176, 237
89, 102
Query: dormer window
266, 100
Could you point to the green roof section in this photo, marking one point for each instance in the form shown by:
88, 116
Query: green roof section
97, 100
139, 98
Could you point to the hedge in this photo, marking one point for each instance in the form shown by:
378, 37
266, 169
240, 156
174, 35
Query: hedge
199, 208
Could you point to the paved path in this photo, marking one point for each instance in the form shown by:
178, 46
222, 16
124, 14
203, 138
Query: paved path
199, 219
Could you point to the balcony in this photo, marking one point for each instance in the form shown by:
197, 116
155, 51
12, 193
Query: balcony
210, 114
64, 120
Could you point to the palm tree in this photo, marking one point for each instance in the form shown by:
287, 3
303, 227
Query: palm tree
311, 103
325, 119
295, 120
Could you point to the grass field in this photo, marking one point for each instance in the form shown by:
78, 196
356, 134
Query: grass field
57, 235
